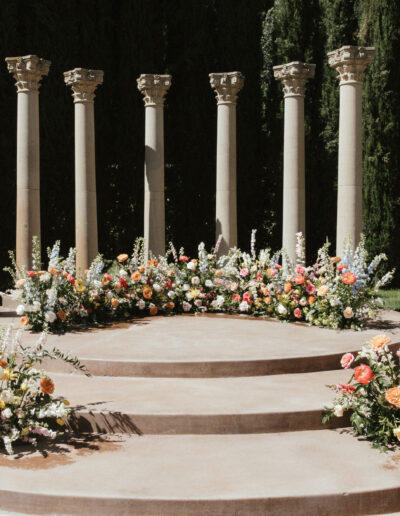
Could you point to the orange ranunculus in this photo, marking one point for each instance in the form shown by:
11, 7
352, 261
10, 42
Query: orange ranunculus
153, 310
287, 288
170, 305
153, 263
46, 385
393, 396
136, 276
61, 315
336, 259
379, 341
349, 278
267, 300
114, 302
147, 292
53, 271
104, 282
142, 269
363, 374
24, 320
122, 257
311, 300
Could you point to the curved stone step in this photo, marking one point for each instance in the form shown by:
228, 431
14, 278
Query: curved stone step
216, 346
200, 405
314, 473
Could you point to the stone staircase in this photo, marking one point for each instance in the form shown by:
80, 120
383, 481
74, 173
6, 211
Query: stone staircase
199, 415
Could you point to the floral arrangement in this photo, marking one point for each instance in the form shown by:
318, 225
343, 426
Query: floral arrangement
372, 395
335, 292
28, 409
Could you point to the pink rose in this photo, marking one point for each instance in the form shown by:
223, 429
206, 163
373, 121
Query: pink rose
236, 298
300, 270
183, 258
71, 279
298, 313
277, 266
244, 272
247, 297
346, 360
310, 289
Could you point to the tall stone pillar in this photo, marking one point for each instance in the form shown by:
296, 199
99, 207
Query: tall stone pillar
350, 62
154, 89
83, 83
294, 77
227, 87
28, 72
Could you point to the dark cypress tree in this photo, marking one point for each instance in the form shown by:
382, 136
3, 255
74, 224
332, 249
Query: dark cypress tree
380, 27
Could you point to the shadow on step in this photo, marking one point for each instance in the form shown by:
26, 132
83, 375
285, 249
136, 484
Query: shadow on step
107, 423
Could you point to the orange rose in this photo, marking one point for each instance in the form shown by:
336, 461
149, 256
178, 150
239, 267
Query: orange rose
152, 262
336, 259
267, 300
147, 292
122, 257
218, 273
24, 320
136, 276
170, 305
142, 269
287, 288
311, 300
61, 315
393, 396
114, 302
379, 342
53, 271
153, 310
40, 273
47, 386
3, 363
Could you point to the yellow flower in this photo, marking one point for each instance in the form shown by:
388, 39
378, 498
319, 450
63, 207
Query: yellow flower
66, 402
25, 431
2, 404
60, 421
8, 375
24, 387
80, 289
396, 432
194, 292
17, 400
79, 282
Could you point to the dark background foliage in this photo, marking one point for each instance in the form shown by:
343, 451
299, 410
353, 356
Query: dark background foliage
190, 39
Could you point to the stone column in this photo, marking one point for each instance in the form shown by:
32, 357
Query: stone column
28, 72
350, 62
226, 86
154, 89
83, 83
294, 77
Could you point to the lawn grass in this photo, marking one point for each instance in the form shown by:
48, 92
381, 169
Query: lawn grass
391, 298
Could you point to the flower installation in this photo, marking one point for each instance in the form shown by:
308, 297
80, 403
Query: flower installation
372, 395
335, 292
28, 409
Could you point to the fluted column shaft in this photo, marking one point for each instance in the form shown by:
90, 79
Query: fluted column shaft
350, 62
294, 77
227, 86
28, 72
83, 83
154, 89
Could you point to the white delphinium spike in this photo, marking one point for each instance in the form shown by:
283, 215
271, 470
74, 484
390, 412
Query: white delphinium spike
253, 244
300, 249
174, 253
217, 245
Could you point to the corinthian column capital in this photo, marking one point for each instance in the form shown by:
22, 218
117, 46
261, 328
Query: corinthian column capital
83, 83
226, 86
154, 88
28, 71
294, 77
351, 62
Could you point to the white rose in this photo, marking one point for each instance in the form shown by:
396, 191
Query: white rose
209, 283
281, 309
6, 413
45, 277
189, 296
198, 302
156, 287
220, 301
171, 294
338, 410
36, 307
62, 300
50, 316
191, 266
141, 304
348, 312
195, 280
123, 273
186, 286
7, 396
109, 294
244, 307
20, 309
234, 287
303, 301
186, 306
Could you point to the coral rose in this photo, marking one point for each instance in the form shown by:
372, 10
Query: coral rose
153, 310
61, 315
136, 276
247, 297
236, 298
170, 305
299, 280
147, 292
363, 374
267, 300
287, 288
24, 320
298, 313
393, 396
300, 270
346, 360
311, 300
46, 385
310, 289
114, 302
379, 342
271, 272
349, 278
122, 257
